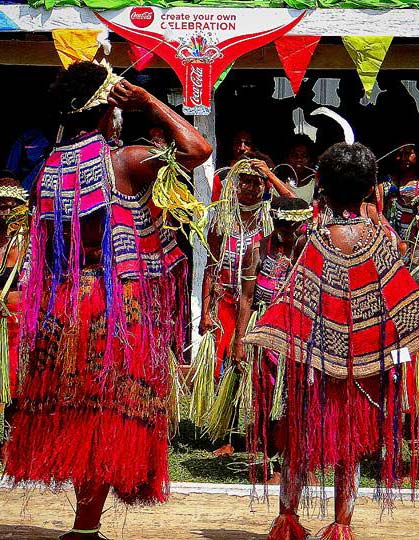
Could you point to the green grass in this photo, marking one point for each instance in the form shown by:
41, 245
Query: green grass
191, 460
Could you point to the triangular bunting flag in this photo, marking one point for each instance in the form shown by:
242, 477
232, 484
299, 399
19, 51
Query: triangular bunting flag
223, 76
75, 45
139, 56
295, 53
367, 53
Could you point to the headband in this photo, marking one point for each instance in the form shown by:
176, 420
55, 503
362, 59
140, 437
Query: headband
100, 97
292, 215
13, 192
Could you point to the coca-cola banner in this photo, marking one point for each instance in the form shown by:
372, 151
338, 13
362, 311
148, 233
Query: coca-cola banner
199, 43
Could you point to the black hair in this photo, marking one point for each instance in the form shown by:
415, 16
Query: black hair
5, 173
301, 140
73, 88
347, 172
288, 203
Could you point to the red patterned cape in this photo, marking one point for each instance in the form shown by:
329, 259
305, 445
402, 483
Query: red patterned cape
335, 306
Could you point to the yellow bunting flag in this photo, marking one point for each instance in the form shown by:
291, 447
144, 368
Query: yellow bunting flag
367, 53
75, 45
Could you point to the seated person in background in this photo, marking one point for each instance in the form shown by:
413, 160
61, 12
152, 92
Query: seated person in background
298, 167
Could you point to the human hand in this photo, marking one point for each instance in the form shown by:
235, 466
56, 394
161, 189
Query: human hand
205, 325
128, 97
260, 166
239, 353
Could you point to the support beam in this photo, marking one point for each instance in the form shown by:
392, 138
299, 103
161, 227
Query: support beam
203, 179
327, 56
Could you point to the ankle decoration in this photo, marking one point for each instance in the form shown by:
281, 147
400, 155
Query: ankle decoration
288, 527
336, 531
86, 531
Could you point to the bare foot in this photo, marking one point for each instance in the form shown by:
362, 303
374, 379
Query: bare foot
275, 479
225, 450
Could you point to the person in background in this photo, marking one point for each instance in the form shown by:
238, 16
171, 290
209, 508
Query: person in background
14, 234
401, 203
27, 156
266, 266
297, 171
221, 282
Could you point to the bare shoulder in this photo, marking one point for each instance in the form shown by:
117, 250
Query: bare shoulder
134, 167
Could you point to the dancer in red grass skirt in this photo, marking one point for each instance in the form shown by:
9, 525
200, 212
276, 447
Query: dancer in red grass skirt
101, 305
346, 321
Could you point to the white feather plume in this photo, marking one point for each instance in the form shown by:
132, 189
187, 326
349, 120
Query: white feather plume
347, 130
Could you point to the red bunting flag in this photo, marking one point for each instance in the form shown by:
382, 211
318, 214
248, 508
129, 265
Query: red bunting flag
295, 53
140, 57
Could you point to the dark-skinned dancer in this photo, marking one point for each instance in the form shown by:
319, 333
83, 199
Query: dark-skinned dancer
99, 312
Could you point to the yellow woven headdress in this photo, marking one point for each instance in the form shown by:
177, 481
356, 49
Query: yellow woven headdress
100, 97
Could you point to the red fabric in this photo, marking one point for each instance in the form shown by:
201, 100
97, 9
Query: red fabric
78, 422
295, 53
227, 313
362, 431
336, 531
139, 56
217, 187
13, 327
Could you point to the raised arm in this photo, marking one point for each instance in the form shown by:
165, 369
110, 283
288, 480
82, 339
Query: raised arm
282, 189
250, 268
192, 148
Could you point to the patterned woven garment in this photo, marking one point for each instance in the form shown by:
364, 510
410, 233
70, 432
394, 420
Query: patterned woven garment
335, 307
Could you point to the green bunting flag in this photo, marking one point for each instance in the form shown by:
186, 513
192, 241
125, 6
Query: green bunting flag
367, 53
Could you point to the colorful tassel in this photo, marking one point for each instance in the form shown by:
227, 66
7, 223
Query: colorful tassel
5, 396
288, 527
336, 531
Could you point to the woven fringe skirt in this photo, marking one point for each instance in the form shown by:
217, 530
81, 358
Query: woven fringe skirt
81, 421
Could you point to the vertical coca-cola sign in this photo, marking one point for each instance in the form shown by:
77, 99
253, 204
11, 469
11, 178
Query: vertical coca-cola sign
197, 54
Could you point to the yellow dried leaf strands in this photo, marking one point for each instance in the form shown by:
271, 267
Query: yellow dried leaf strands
203, 389
172, 195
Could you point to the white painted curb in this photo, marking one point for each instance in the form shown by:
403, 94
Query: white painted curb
245, 490
239, 490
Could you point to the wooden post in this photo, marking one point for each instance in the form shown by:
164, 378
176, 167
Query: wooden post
203, 180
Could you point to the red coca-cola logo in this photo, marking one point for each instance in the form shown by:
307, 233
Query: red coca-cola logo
142, 16
196, 78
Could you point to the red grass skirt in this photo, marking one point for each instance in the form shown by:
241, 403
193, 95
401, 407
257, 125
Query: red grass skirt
77, 421
227, 314
329, 422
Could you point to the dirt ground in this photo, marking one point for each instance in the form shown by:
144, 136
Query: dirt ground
43, 516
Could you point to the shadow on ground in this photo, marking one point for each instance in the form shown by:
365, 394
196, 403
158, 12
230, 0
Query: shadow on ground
228, 534
21, 532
